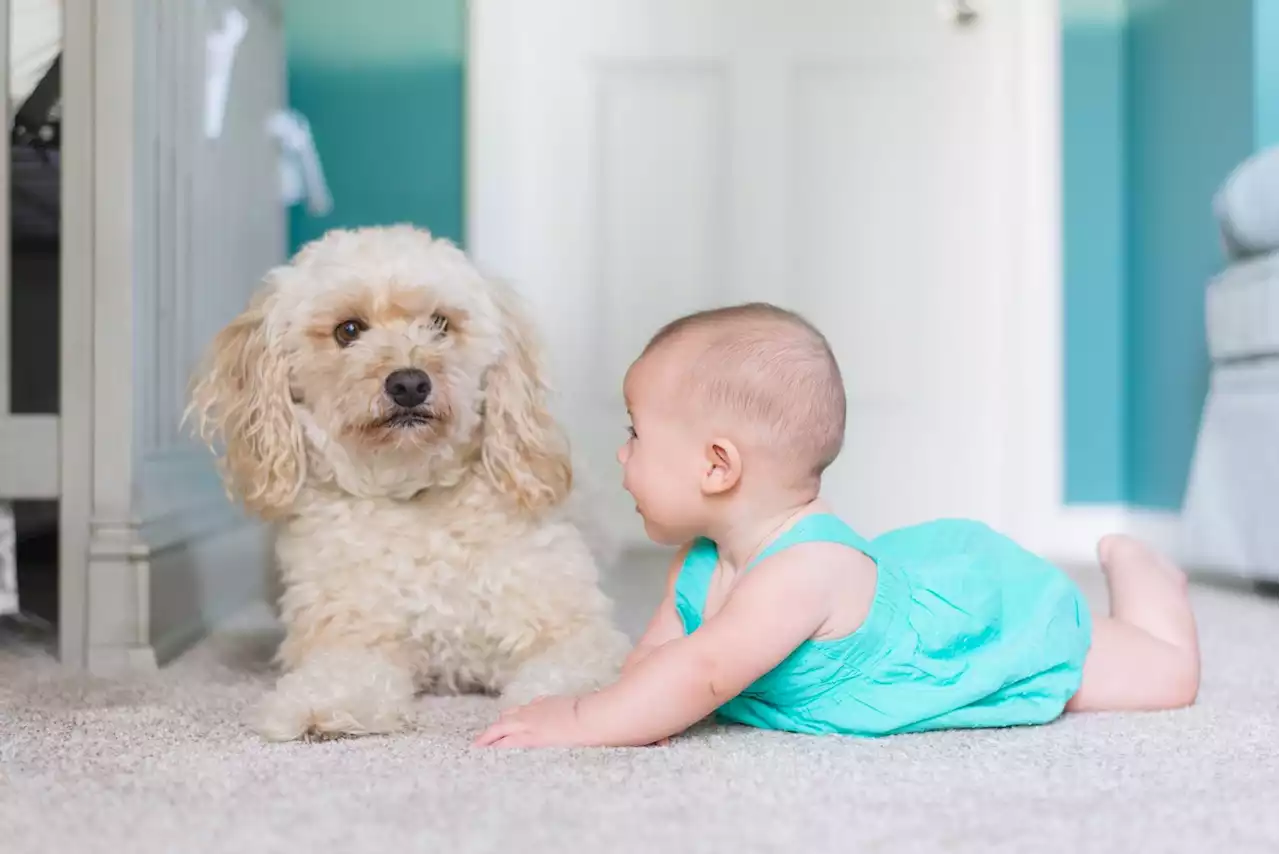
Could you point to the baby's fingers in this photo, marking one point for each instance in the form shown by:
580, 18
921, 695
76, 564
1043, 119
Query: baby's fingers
497, 732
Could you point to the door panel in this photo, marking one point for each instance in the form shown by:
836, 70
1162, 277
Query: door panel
633, 160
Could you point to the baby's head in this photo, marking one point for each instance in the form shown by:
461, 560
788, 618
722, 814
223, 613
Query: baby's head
730, 405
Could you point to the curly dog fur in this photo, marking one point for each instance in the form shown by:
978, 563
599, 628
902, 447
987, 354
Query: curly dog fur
422, 545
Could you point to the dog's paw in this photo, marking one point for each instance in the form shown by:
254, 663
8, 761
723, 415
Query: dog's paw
579, 665
280, 717
546, 677
332, 695
521, 694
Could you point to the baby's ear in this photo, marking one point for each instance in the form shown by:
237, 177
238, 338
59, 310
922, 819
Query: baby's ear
241, 397
723, 466
524, 453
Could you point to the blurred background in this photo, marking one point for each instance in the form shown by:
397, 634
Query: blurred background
1040, 235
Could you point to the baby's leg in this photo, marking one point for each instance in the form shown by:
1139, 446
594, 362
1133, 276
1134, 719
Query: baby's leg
1146, 655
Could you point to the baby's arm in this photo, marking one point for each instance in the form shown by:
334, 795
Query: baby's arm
665, 624
780, 604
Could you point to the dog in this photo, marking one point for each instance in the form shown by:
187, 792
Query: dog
384, 406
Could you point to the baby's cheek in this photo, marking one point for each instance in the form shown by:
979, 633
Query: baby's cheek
641, 481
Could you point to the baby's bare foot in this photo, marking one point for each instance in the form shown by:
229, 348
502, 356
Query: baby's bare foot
1123, 554
1147, 590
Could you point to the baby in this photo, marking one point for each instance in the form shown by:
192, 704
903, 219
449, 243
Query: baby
779, 615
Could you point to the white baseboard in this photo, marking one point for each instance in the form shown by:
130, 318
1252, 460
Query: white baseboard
1071, 534
1159, 528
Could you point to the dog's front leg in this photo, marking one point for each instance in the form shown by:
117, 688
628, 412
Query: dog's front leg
581, 662
336, 683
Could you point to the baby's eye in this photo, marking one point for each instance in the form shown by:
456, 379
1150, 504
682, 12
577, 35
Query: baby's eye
631, 431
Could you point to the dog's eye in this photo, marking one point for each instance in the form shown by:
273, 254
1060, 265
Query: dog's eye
440, 323
348, 331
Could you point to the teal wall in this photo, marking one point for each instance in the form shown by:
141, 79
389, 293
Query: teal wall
1095, 262
381, 82
1161, 99
1266, 77
1191, 121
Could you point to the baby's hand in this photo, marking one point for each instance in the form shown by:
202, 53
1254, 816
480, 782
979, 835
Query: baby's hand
546, 722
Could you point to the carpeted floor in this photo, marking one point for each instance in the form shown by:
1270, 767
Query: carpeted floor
165, 765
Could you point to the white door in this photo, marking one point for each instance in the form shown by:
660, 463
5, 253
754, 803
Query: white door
632, 160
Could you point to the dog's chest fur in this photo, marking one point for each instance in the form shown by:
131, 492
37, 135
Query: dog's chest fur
464, 593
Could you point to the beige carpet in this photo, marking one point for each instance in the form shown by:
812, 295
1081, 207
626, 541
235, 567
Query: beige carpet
164, 765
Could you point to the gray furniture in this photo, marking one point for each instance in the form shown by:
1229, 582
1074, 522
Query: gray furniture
1229, 516
162, 234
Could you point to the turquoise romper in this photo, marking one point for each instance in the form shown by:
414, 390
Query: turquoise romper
966, 629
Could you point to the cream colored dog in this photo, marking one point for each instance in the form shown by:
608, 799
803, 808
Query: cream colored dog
384, 404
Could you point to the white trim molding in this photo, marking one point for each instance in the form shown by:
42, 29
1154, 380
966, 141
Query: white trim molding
1033, 472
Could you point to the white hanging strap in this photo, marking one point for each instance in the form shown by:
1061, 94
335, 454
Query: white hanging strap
220, 54
301, 176
35, 41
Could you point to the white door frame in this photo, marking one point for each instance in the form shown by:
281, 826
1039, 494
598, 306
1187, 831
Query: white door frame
1033, 478
1034, 408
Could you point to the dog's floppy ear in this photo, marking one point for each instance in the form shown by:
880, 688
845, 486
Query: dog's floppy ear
241, 396
524, 453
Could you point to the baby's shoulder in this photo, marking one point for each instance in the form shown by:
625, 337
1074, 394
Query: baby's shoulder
832, 580
819, 558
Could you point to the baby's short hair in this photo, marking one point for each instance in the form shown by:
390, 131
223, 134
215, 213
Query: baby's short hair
772, 368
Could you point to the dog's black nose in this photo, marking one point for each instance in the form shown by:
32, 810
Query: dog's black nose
408, 387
